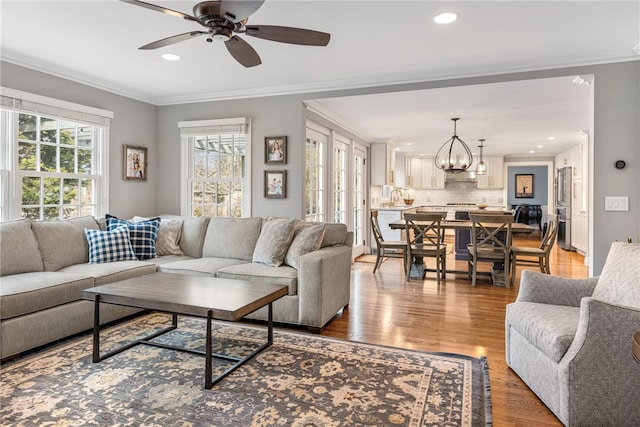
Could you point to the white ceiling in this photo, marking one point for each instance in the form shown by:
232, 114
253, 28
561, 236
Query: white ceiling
514, 118
372, 43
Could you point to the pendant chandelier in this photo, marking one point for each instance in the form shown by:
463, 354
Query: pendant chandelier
454, 156
481, 169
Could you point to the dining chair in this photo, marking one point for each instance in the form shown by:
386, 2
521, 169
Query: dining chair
526, 255
490, 242
425, 238
386, 245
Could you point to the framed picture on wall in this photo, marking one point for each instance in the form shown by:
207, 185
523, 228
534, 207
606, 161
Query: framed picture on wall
524, 186
275, 184
135, 163
275, 149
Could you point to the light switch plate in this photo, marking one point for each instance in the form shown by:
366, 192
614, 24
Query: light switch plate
616, 203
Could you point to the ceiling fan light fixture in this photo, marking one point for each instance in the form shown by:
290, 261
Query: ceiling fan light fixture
481, 169
221, 37
454, 155
445, 17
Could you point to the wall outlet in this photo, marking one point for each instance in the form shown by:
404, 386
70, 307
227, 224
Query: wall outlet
616, 203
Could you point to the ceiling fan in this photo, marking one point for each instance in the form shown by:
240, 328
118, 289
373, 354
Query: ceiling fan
226, 18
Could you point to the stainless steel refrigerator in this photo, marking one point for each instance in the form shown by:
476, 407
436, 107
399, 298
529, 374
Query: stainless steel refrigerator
563, 207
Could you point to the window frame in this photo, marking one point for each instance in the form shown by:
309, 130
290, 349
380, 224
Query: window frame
190, 129
14, 103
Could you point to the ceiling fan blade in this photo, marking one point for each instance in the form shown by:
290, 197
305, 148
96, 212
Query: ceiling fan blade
243, 52
288, 35
172, 40
161, 9
240, 9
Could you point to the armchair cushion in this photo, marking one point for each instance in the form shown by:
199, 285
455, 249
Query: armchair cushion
551, 328
545, 289
619, 281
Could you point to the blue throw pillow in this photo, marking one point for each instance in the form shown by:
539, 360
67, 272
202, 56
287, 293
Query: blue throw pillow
108, 246
142, 234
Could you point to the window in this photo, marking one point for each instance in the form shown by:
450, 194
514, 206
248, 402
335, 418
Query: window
216, 178
53, 162
316, 143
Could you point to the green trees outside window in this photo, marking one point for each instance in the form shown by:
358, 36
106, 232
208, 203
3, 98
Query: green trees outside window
56, 163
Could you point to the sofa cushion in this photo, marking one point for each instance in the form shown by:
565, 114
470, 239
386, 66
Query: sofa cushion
193, 232
619, 282
169, 233
32, 292
231, 238
168, 241
63, 243
334, 234
109, 246
255, 272
551, 328
198, 266
109, 272
273, 243
307, 238
18, 248
142, 234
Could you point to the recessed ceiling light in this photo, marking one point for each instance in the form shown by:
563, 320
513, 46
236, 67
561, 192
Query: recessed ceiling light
170, 57
540, 145
409, 143
551, 138
531, 151
445, 18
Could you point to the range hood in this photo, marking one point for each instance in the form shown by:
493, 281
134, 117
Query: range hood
467, 176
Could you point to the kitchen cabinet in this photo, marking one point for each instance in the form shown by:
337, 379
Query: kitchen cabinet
382, 164
494, 178
422, 173
413, 172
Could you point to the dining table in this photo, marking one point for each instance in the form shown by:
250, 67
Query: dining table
417, 264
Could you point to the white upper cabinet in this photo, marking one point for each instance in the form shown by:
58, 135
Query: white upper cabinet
413, 172
422, 173
383, 160
494, 178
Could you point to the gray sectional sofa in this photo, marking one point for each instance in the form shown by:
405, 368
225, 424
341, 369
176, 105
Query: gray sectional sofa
571, 340
44, 268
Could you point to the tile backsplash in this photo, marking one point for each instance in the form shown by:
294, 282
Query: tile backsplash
462, 192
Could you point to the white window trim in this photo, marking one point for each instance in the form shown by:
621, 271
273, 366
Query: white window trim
198, 127
59, 109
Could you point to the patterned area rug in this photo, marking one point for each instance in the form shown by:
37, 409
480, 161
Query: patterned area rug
301, 380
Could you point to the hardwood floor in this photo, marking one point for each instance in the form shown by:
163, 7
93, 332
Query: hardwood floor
452, 317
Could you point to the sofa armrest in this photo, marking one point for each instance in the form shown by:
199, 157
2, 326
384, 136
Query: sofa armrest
324, 284
599, 378
547, 289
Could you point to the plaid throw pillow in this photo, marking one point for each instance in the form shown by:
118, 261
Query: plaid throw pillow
142, 234
108, 246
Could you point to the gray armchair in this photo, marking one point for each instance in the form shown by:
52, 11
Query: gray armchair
571, 340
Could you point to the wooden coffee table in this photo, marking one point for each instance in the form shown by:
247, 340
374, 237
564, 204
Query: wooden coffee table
209, 297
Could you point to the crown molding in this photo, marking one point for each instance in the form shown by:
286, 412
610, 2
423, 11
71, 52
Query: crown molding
74, 76
311, 88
